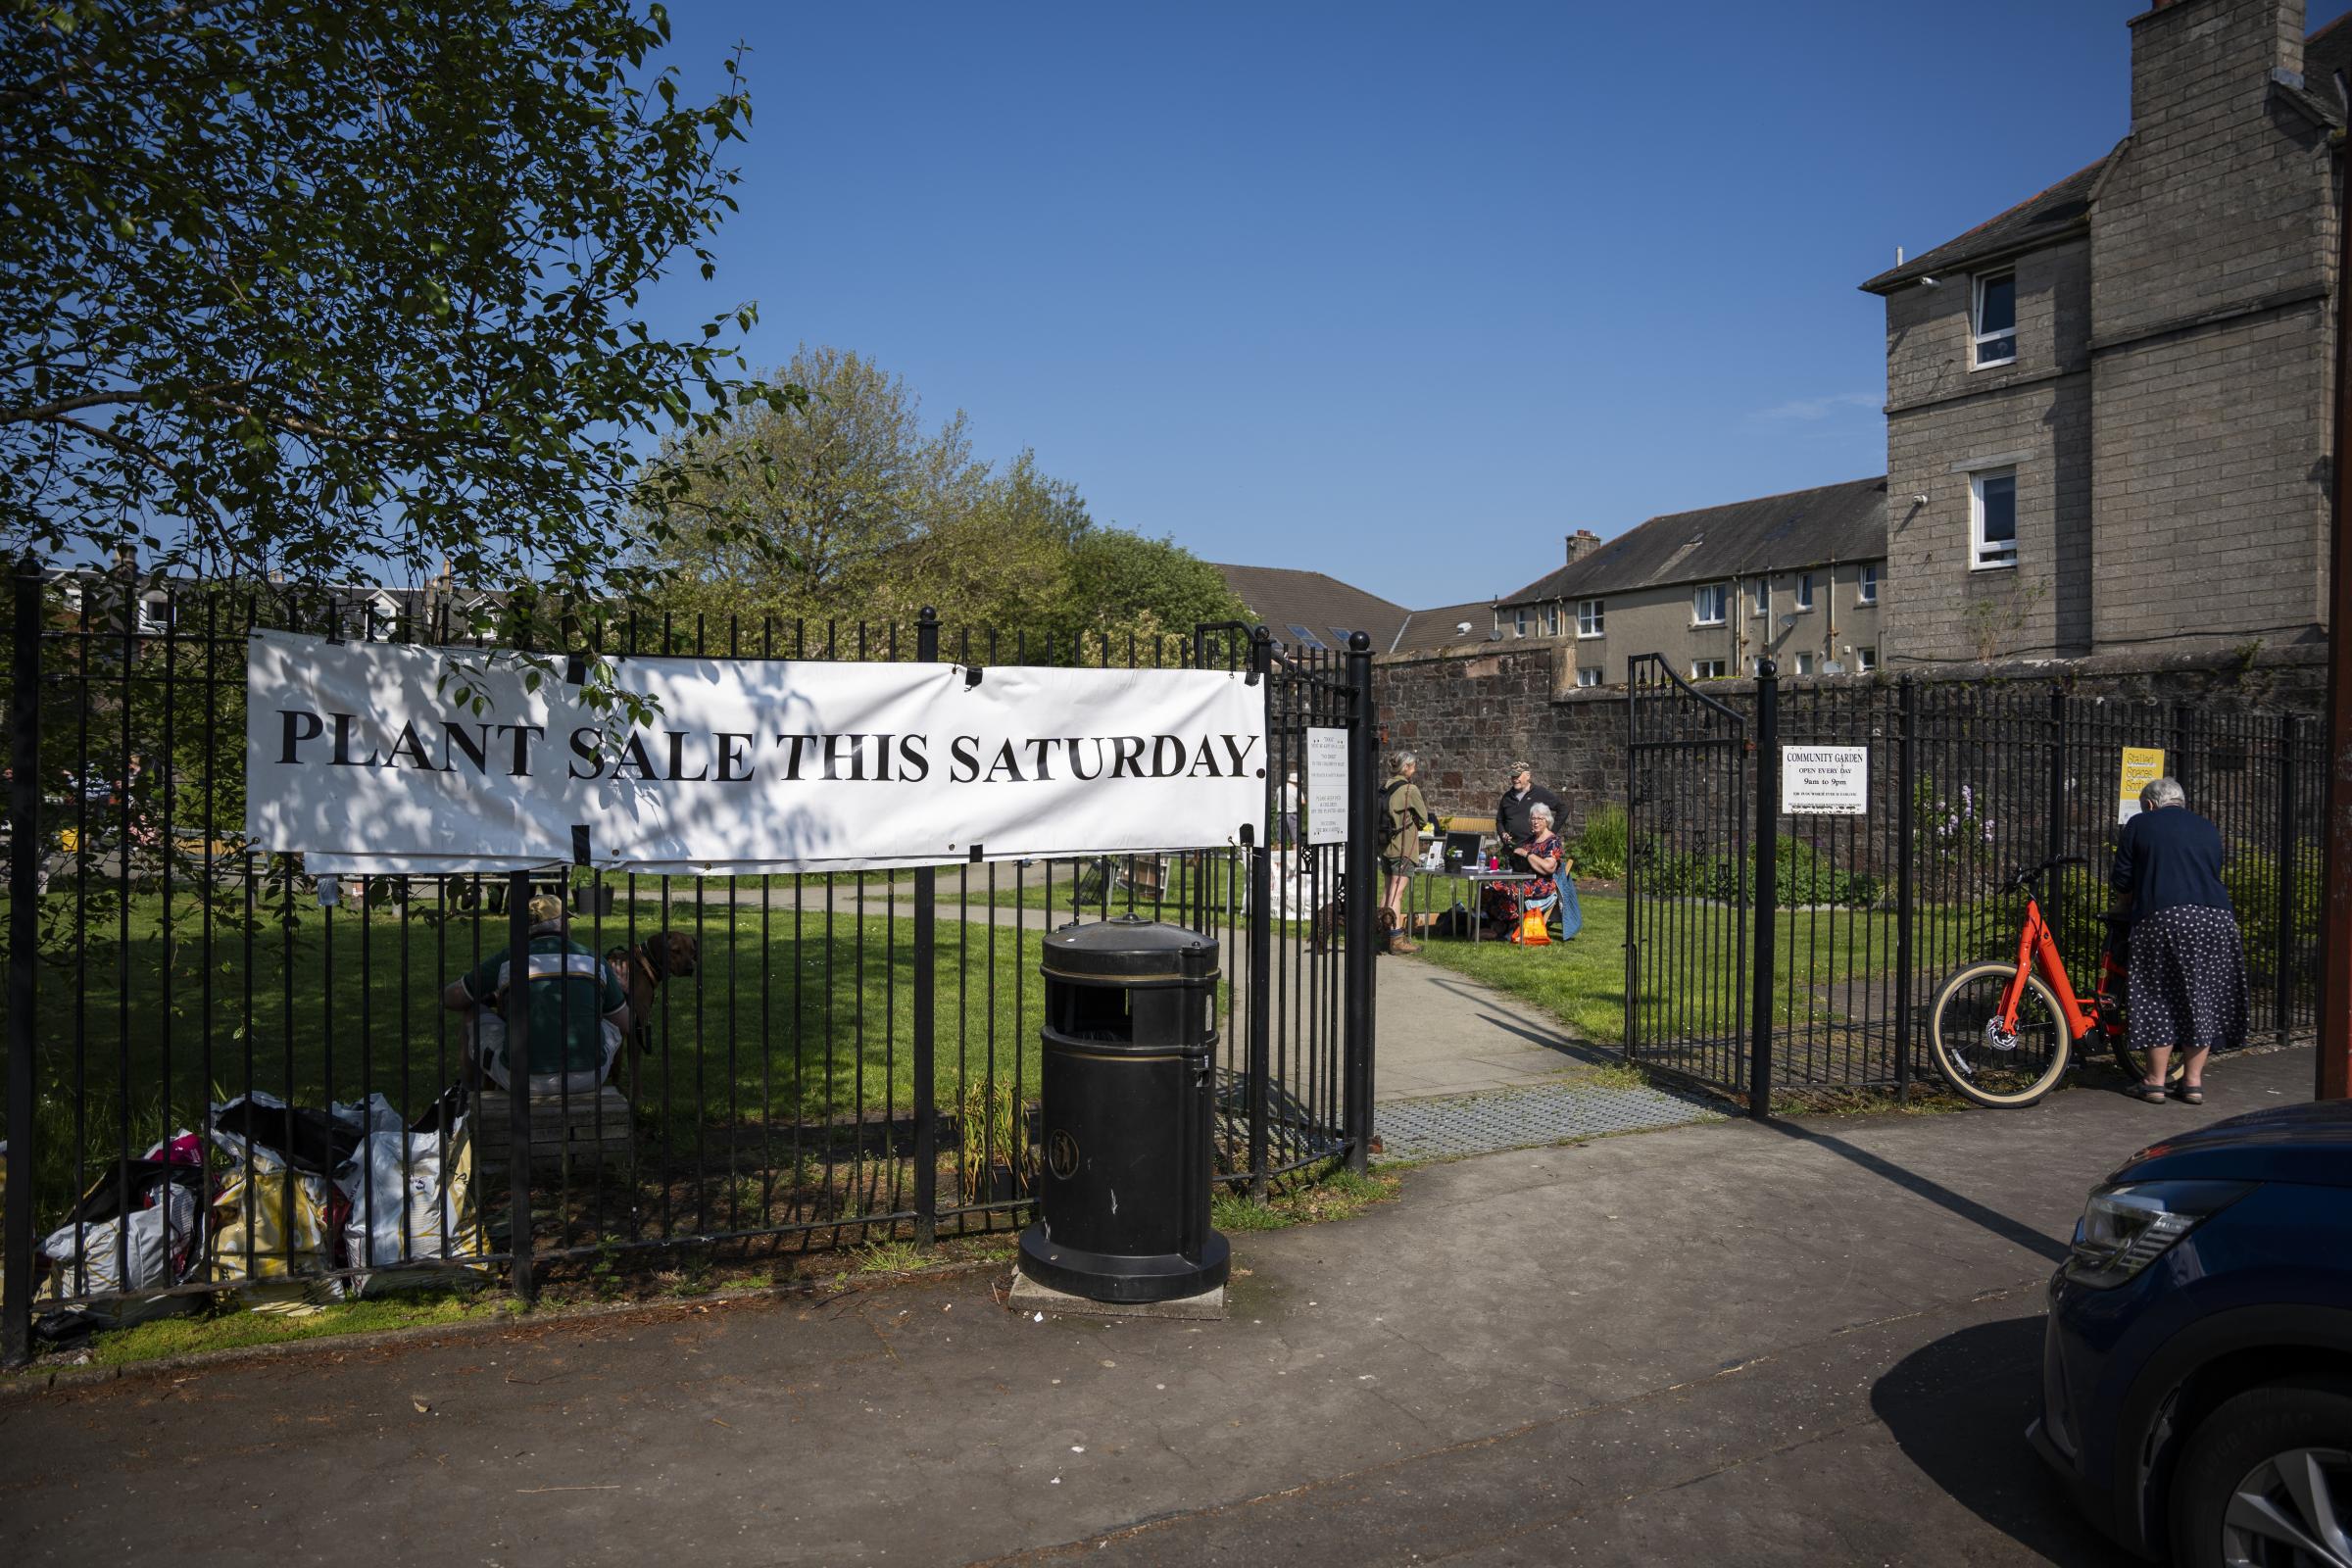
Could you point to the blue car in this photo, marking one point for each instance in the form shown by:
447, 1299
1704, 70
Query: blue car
2196, 1384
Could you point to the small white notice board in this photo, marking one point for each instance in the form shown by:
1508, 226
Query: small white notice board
1824, 780
1326, 786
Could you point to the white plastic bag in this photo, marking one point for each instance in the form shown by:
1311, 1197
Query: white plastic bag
413, 1221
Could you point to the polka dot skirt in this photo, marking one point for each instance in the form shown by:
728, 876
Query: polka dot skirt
2188, 980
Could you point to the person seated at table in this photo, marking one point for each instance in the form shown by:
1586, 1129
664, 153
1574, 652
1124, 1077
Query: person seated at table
1542, 855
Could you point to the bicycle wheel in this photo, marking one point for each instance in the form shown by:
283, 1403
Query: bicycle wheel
1977, 1058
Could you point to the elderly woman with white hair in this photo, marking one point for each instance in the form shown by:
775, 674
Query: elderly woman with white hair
2188, 987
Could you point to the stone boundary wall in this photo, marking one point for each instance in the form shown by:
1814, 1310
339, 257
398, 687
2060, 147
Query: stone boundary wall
1468, 714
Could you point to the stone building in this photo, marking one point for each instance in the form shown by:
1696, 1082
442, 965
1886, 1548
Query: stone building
2108, 408
1795, 577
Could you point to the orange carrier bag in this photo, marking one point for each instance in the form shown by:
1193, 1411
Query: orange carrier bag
1533, 930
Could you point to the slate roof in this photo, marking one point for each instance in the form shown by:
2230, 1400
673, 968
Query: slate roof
1772, 533
2063, 209
1424, 631
2053, 215
1282, 598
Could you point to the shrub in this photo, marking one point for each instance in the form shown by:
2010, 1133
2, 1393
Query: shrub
1602, 844
2250, 876
1803, 876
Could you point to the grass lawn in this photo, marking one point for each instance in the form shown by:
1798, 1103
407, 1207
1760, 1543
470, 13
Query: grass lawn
801, 1014
1582, 982
1077, 890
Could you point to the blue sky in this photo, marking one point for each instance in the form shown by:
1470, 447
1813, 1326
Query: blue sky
1399, 292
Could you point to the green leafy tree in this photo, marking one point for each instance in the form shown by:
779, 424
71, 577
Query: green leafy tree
863, 511
798, 507
333, 290
1125, 585
999, 559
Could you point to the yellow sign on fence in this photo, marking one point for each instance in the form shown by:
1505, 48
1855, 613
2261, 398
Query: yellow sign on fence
2141, 763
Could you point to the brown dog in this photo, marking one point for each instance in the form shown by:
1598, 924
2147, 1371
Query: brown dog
642, 970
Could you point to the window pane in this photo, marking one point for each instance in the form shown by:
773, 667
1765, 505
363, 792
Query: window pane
1306, 639
2000, 509
1997, 305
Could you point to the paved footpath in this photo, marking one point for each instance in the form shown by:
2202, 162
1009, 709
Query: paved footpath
1810, 1341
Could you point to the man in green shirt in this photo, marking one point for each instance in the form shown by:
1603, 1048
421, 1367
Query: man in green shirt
579, 1014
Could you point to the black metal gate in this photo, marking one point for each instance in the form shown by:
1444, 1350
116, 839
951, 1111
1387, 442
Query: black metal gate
1771, 951
1688, 879
851, 1059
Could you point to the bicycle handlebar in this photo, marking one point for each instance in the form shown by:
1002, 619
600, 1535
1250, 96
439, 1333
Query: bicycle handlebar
2027, 876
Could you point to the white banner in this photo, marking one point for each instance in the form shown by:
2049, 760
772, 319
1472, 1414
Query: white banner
358, 757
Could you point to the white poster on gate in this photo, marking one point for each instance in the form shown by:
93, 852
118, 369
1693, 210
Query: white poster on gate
361, 757
1326, 786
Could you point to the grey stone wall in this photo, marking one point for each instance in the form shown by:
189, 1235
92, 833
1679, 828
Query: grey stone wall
1946, 419
2211, 449
1469, 719
2212, 236
2167, 413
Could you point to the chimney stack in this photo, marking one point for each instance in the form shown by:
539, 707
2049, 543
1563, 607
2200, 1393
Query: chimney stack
2196, 62
1581, 544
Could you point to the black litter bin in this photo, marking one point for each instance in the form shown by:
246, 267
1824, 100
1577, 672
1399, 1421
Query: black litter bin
1129, 1091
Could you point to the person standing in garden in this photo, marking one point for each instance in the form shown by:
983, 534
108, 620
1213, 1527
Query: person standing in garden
1403, 815
2188, 985
1514, 813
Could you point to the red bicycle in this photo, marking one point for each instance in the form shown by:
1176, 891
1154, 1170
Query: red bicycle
2003, 1031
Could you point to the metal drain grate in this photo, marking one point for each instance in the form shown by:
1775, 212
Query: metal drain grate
1527, 1119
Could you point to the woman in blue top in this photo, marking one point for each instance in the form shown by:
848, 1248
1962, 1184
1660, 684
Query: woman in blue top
2187, 986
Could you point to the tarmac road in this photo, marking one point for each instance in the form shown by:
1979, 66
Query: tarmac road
1808, 1342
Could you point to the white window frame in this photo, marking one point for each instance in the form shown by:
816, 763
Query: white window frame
383, 613
1804, 590
1551, 618
1716, 595
1866, 585
1588, 675
155, 615
1591, 617
1762, 602
1977, 546
1805, 663
1979, 339
1519, 622
1865, 660
1709, 669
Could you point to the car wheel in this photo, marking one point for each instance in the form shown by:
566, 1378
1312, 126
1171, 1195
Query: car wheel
2266, 1480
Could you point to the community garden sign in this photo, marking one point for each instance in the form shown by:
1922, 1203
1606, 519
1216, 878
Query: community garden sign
359, 755
1824, 780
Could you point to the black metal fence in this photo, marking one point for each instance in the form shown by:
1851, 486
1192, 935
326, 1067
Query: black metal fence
1807, 947
228, 1075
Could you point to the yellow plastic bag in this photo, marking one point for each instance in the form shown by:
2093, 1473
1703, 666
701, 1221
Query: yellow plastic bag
1533, 930
270, 1231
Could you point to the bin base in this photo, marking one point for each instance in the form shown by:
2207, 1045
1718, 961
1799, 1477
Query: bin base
1030, 1297
1113, 1277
